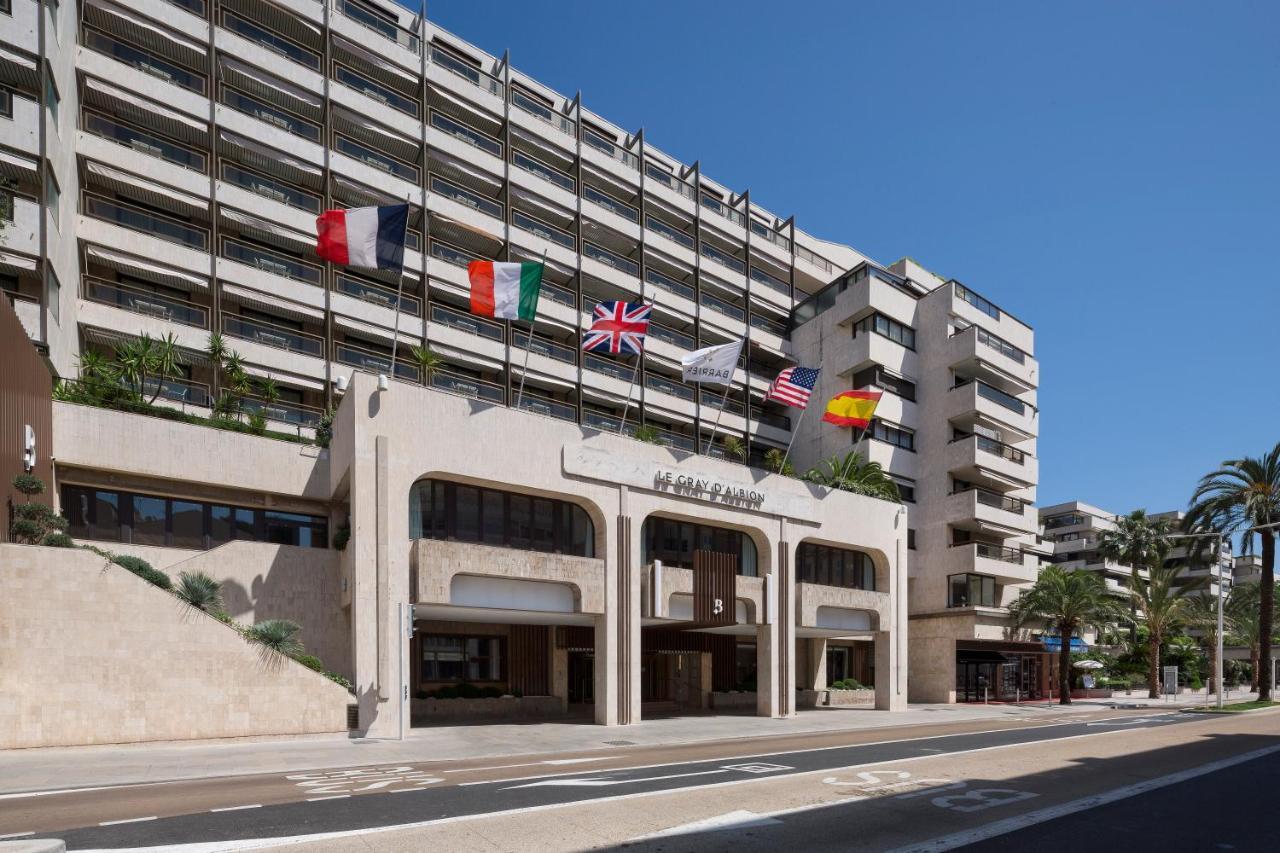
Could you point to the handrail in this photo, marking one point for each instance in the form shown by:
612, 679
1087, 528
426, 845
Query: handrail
526, 104
167, 228
669, 231
621, 208
466, 386
381, 160
610, 147
546, 171
450, 62
608, 366
759, 321
142, 59
467, 322
669, 386
293, 413
717, 304
365, 359
666, 282
465, 132
462, 195
994, 447
544, 346
712, 203
376, 294
268, 260
533, 225
770, 281
269, 39
653, 172
129, 136
269, 188
373, 89
371, 21
723, 257
141, 301
274, 115
538, 404
613, 259
450, 254
987, 497
272, 335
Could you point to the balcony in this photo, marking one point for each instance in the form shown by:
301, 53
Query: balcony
975, 401
170, 229
722, 306
373, 362
464, 196
546, 231
141, 301
271, 114
28, 310
465, 133
540, 405
383, 26
615, 262
544, 347
610, 149
978, 458
383, 95
466, 386
973, 350
272, 335
468, 323
548, 173
1008, 565
144, 142
270, 188
986, 511
375, 159
460, 69
609, 203
530, 106
295, 414
377, 294
736, 217
670, 336
608, 367
142, 60
271, 41
275, 263
674, 387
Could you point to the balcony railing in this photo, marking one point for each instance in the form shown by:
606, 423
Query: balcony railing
544, 346
473, 200
376, 159
608, 366
178, 391
143, 60
383, 94
272, 335
465, 70
716, 400
465, 132
538, 110
995, 395
671, 336
759, 321
817, 260
559, 236
373, 21
660, 176
759, 415
715, 303
556, 293
142, 301
1001, 346
269, 113
276, 263
467, 322
710, 251
626, 211
450, 254
998, 552
668, 386
270, 188
284, 412
735, 216
546, 406
612, 259
769, 281
147, 143
467, 386
666, 282
606, 422
140, 219
669, 231
676, 440
548, 173
377, 294
964, 294
986, 497
772, 236
356, 356
996, 448
271, 41
610, 148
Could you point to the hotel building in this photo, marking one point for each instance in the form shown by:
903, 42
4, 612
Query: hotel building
167, 161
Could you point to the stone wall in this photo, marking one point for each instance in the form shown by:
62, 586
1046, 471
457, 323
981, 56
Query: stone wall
91, 654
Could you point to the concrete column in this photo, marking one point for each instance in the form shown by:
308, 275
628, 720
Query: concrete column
888, 660
815, 674
705, 681
559, 659
384, 704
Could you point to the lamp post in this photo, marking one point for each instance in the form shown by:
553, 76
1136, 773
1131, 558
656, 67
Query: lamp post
1217, 558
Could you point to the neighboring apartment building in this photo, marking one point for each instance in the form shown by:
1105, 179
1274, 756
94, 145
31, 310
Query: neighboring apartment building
1247, 568
1072, 530
187, 145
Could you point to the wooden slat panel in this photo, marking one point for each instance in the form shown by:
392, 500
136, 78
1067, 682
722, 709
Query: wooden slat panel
26, 398
529, 665
715, 580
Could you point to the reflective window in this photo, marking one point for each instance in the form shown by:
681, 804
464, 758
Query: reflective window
674, 542
439, 509
971, 591
148, 520
831, 566
458, 659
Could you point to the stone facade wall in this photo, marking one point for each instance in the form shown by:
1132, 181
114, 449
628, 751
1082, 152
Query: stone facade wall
91, 654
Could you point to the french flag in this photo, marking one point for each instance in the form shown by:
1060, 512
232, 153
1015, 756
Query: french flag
371, 237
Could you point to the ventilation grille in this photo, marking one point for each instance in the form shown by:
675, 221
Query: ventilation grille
353, 717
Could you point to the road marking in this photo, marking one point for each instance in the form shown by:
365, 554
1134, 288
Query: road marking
18, 834
1013, 824
126, 820
280, 841
528, 764
596, 782
335, 797
740, 819
236, 808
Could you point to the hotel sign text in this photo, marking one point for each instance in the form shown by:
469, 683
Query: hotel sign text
705, 487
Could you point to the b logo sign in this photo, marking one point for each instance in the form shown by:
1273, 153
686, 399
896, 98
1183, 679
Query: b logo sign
718, 606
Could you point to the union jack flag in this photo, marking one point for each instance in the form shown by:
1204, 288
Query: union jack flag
618, 327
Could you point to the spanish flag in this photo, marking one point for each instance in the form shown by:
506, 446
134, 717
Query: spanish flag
852, 408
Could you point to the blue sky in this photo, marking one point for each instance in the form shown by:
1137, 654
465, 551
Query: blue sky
1106, 172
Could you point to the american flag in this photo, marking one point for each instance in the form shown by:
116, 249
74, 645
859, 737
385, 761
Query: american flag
793, 386
618, 327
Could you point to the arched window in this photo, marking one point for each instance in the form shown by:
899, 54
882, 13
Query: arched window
673, 542
440, 509
834, 566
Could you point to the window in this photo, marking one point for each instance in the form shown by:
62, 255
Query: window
674, 542
967, 295
54, 296
51, 99
439, 509
1056, 521
898, 436
911, 538
458, 659
830, 566
906, 488
880, 377
180, 523
53, 199
6, 102
971, 591
891, 329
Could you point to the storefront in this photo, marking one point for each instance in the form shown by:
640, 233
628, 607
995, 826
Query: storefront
1000, 672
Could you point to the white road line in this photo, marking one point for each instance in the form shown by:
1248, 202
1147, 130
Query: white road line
527, 764
285, 841
126, 820
1013, 824
334, 797
18, 834
236, 808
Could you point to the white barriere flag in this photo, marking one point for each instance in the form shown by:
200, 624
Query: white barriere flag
712, 364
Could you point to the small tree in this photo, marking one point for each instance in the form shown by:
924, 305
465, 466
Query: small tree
735, 448
429, 364
34, 523
1161, 599
776, 461
648, 434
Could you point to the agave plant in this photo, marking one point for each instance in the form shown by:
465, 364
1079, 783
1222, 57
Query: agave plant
281, 635
852, 473
200, 591
428, 362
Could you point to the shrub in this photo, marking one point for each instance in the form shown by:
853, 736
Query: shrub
310, 662
142, 569
490, 692
33, 522
518, 693
446, 693
281, 635
58, 540
467, 690
847, 684
341, 680
342, 536
257, 423
29, 484
200, 591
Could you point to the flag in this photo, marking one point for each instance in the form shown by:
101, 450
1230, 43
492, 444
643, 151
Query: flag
852, 408
712, 364
793, 386
618, 327
505, 291
370, 237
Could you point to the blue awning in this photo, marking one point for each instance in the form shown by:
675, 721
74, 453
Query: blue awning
1054, 644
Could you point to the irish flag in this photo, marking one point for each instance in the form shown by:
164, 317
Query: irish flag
505, 291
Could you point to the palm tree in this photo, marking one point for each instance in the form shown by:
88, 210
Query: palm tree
429, 364
1201, 612
135, 359
167, 358
774, 460
1245, 627
278, 634
735, 448
648, 434
200, 591
1138, 541
1068, 602
216, 350
1242, 495
1162, 602
852, 474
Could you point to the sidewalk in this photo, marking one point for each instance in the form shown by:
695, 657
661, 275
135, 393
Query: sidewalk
91, 766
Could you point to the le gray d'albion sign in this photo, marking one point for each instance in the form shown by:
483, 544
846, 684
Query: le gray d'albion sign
697, 485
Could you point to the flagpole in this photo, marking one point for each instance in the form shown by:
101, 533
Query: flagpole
783, 467
529, 342
404, 240
724, 401
861, 436
635, 372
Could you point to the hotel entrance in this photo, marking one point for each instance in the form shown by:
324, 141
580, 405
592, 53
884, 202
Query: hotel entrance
1000, 672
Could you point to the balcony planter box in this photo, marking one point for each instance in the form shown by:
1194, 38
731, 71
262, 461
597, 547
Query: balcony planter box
850, 697
733, 701
504, 707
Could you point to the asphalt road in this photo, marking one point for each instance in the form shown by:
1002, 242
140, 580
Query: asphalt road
345, 800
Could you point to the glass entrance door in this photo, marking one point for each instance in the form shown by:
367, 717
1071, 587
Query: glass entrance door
838, 664
582, 674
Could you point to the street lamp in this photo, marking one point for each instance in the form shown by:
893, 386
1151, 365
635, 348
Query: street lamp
1217, 667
